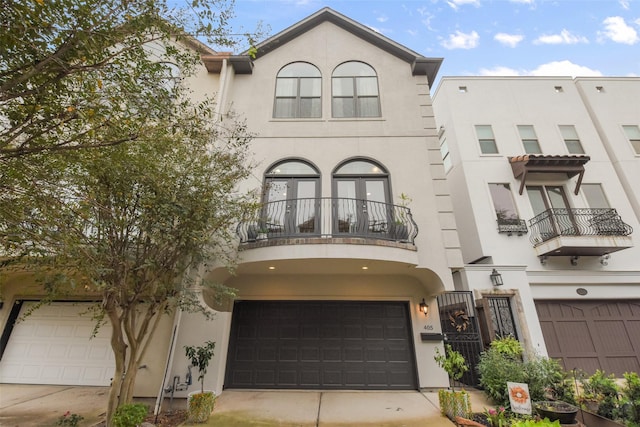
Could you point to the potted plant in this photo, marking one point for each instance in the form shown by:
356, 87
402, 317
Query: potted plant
557, 410
200, 404
453, 403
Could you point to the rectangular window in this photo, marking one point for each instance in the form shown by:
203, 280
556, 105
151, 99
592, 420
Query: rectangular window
503, 202
444, 151
529, 139
633, 133
486, 139
595, 196
571, 139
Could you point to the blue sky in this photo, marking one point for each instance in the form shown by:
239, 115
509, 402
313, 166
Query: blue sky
487, 37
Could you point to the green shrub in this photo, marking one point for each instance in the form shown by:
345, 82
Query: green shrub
536, 423
603, 389
631, 393
508, 346
129, 415
542, 375
69, 419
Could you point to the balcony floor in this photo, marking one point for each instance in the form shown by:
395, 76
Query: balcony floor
583, 245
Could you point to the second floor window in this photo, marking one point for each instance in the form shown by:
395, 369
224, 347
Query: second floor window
298, 89
571, 139
529, 139
633, 133
503, 202
355, 91
486, 139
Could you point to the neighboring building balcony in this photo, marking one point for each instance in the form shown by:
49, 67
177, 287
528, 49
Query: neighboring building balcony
579, 232
335, 220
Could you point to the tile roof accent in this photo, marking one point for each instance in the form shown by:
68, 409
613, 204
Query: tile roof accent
570, 165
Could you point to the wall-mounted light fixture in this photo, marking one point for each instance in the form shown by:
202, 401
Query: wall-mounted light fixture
424, 307
496, 278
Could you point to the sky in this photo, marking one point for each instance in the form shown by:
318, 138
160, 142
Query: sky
487, 37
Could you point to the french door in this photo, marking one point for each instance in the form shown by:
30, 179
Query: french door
291, 206
556, 222
362, 205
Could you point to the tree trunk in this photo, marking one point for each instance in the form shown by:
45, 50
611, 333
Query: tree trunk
119, 348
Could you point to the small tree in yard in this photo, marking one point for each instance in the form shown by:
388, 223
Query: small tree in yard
199, 358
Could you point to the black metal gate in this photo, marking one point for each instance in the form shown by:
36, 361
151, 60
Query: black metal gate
461, 331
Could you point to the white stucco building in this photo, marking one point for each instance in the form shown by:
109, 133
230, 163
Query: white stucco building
356, 236
543, 175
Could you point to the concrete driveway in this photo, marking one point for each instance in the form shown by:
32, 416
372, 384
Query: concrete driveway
41, 405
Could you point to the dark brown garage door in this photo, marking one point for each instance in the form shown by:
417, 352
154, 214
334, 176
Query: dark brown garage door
592, 335
320, 345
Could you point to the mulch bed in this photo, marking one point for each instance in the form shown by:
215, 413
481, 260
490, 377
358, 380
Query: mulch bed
168, 419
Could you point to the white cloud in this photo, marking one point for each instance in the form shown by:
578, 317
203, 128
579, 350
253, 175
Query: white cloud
499, 71
455, 4
618, 31
412, 32
460, 40
382, 18
522, 1
510, 40
555, 68
565, 37
381, 30
564, 68
624, 4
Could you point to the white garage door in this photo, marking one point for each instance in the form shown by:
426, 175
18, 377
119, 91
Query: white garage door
53, 345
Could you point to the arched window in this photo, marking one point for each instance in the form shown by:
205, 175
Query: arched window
355, 91
361, 188
298, 90
290, 198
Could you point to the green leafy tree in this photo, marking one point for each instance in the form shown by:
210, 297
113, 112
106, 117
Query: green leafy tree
94, 73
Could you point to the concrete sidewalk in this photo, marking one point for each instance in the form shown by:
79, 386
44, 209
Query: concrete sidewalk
41, 405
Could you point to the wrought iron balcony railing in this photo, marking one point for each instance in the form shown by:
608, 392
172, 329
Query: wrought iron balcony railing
577, 222
329, 217
512, 225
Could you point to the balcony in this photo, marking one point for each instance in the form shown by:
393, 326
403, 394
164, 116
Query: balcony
579, 232
327, 218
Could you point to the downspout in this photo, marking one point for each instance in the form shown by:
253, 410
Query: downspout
172, 349
222, 93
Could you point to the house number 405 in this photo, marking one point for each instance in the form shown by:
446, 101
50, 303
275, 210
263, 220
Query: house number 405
428, 327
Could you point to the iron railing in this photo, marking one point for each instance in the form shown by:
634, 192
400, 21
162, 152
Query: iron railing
512, 225
576, 222
329, 217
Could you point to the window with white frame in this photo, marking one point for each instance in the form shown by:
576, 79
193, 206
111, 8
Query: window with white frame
529, 139
486, 139
298, 91
354, 90
571, 139
633, 133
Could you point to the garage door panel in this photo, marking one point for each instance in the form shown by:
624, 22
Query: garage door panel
622, 364
357, 345
613, 335
595, 334
53, 345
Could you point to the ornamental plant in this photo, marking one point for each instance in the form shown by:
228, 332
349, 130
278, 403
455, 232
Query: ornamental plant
452, 362
200, 357
496, 417
69, 419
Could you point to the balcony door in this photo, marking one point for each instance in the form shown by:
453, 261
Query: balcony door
362, 205
291, 201
551, 223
